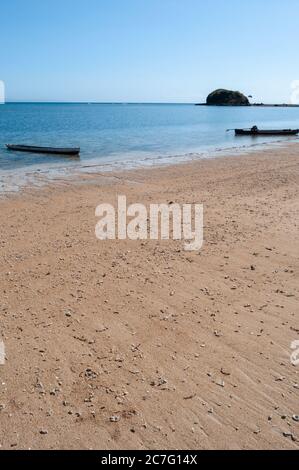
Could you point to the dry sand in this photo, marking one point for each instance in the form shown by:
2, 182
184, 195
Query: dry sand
141, 345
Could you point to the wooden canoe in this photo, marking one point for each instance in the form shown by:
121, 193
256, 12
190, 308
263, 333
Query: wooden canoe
48, 150
285, 132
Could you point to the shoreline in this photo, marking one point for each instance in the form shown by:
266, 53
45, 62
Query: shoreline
36, 177
141, 345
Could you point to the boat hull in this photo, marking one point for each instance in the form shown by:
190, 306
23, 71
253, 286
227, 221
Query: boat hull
46, 150
284, 132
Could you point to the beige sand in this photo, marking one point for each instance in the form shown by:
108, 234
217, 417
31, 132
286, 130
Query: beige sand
124, 344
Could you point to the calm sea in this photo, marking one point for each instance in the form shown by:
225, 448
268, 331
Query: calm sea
126, 133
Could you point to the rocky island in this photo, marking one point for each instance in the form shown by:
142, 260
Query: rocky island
223, 97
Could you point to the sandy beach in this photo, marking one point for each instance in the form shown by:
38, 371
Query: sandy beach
140, 344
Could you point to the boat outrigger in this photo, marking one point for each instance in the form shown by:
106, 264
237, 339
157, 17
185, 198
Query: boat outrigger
49, 150
255, 131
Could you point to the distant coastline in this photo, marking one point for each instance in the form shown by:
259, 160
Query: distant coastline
118, 103
256, 105
114, 103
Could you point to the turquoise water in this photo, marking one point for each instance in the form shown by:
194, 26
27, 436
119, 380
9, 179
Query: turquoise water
133, 132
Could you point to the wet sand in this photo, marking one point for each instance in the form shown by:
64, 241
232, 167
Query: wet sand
139, 344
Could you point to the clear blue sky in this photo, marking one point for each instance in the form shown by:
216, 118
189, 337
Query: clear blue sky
148, 50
